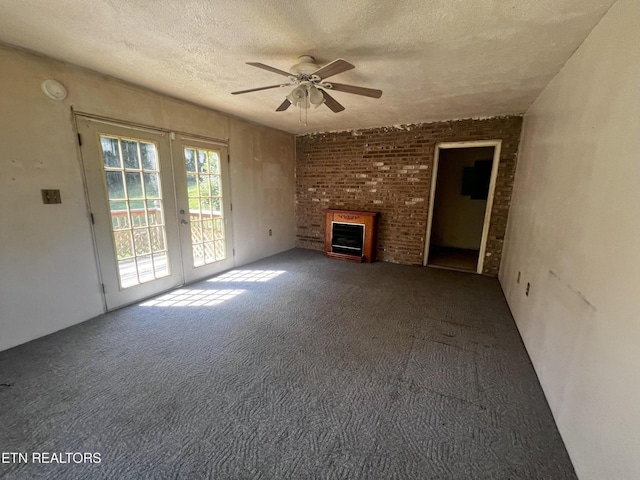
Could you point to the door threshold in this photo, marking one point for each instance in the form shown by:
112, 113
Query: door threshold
454, 269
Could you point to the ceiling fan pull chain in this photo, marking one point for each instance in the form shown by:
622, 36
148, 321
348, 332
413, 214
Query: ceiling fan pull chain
306, 105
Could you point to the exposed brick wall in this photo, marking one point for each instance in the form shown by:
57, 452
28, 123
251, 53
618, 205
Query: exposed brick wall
388, 170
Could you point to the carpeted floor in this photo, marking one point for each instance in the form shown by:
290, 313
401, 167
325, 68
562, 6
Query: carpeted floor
294, 367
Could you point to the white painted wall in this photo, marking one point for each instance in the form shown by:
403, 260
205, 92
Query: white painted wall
48, 275
574, 233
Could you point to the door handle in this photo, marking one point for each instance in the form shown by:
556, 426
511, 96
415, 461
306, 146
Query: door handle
183, 222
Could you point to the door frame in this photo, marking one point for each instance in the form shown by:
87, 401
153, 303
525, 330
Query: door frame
496, 144
132, 125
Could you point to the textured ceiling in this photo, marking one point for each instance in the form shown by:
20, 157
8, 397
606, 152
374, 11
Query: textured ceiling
434, 60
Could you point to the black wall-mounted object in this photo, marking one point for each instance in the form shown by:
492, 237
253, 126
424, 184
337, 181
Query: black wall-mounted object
476, 180
468, 177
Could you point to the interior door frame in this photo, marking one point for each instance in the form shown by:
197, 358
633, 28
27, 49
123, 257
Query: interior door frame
496, 144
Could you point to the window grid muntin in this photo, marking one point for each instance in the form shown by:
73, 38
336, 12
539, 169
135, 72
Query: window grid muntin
152, 258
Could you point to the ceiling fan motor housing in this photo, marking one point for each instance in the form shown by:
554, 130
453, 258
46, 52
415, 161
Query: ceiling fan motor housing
306, 65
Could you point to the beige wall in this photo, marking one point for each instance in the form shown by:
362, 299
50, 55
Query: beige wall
48, 275
457, 219
263, 186
574, 233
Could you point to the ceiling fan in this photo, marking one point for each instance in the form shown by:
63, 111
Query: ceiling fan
310, 84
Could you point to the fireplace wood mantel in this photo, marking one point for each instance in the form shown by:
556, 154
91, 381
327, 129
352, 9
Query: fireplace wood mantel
368, 221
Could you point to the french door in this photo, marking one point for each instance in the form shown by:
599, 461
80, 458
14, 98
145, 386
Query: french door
202, 185
160, 208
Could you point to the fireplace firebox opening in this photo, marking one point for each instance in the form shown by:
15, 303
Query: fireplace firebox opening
350, 235
347, 238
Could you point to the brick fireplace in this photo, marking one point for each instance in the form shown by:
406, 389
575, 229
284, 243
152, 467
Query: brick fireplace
388, 170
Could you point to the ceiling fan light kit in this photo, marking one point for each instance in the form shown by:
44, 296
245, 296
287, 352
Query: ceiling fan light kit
310, 85
305, 95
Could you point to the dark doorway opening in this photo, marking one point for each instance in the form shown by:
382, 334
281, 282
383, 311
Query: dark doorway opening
459, 207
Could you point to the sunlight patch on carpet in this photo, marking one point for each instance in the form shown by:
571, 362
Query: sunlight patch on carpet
186, 297
247, 276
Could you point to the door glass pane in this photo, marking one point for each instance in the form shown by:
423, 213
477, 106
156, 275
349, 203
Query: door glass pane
205, 205
154, 212
215, 185
141, 241
196, 232
220, 253
132, 177
138, 214
157, 239
124, 244
119, 216
160, 264
207, 230
148, 154
214, 162
203, 163
218, 229
190, 159
209, 255
134, 185
110, 152
151, 185
203, 182
145, 268
115, 185
130, 154
198, 255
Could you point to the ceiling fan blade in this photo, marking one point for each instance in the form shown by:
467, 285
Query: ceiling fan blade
333, 68
271, 69
256, 89
331, 102
367, 92
283, 106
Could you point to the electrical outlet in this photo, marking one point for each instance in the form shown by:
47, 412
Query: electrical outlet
527, 291
270, 232
518, 280
51, 196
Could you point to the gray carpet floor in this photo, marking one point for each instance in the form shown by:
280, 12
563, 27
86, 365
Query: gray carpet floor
294, 367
